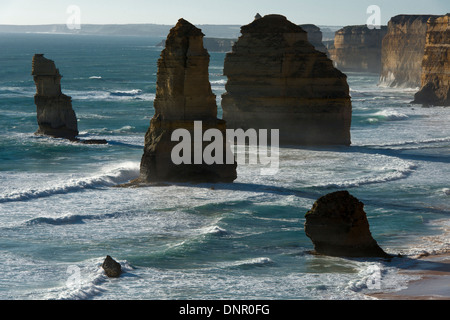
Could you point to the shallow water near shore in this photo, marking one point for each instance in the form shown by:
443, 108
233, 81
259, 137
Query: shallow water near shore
61, 214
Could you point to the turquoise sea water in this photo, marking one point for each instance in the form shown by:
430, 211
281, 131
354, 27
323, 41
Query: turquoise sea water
60, 214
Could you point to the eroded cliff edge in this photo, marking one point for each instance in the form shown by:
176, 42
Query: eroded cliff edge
435, 80
278, 80
403, 50
358, 48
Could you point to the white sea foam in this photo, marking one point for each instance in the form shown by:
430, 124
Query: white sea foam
107, 177
390, 115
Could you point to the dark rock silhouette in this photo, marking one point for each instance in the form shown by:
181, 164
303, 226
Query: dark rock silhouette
338, 226
112, 268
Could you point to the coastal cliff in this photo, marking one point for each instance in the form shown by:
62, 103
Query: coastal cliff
55, 115
183, 96
278, 80
435, 81
358, 48
403, 50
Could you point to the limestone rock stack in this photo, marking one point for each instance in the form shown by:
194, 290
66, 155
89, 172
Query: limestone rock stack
183, 95
402, 51
435, 86
278, 80
315, 37
55, 115
338, 226
358, 48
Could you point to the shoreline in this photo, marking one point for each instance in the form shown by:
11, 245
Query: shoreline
434, 282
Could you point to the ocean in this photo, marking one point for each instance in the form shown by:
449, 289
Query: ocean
61, 213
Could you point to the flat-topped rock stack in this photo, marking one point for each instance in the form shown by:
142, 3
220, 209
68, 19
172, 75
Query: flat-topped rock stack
278, 80
183, 96
358, 48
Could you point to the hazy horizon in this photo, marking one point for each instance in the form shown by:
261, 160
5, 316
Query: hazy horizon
203, 12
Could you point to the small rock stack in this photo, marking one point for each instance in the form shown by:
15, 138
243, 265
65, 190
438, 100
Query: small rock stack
338, 226
55, 115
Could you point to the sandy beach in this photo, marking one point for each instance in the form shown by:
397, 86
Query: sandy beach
434, 283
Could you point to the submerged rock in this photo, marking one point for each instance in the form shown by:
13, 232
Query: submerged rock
403, 50
112, 268
278, 80
435, 89
183, 96
55, 115
338, 226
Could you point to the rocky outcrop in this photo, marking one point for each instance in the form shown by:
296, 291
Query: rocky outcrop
55, 115
112, 268
358, 48
314, 37
338, 226
278, 80
183, 96
435, 83
403, 50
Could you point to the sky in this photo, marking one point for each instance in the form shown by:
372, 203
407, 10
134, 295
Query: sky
238, 12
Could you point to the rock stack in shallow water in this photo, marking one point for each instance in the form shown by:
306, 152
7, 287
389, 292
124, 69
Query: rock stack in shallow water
278, 80
183, 96
358, 48
403, 50
55, 115
435, 86
338, 226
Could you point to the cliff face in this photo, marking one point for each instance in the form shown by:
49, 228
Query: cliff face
358, 48
403, 50
277, 80
183, 95
55, 115
314, 37
435, 81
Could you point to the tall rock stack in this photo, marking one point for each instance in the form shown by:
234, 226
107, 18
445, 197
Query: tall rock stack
358, 48
183, 95
55, 115
435, 89
402, 51
278, 80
